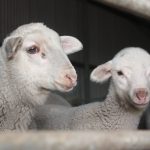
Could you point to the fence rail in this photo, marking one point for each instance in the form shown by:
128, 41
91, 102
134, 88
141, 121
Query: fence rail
76, 140
139, 8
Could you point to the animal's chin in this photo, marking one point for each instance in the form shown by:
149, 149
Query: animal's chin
63, 88
135, 103
58, 87
140, 104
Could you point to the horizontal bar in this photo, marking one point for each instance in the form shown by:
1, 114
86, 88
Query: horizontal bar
75, 140
140, 8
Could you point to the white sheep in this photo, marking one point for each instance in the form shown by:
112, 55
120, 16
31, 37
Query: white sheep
127, 98
33, 62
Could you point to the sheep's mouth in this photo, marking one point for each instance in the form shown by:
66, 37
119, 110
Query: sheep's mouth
142, 104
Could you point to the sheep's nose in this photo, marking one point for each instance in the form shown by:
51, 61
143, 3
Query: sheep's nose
67, 79
141, 93
72, 79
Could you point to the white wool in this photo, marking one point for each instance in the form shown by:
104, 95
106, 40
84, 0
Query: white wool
32, 63
129, 72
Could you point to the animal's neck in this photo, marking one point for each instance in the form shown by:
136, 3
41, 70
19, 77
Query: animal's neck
15, 117
120, 114
14, 113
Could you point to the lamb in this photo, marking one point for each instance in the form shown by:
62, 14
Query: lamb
128, 96
33, 62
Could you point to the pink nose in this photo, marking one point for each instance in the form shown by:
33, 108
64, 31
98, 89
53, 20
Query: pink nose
141, 93
67, 79
71, 79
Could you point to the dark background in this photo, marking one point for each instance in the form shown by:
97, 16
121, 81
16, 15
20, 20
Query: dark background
103, 31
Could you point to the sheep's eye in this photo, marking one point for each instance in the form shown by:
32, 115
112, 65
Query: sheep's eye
120, 73
33, 50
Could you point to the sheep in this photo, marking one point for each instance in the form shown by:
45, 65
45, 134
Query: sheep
33, 63
128, 96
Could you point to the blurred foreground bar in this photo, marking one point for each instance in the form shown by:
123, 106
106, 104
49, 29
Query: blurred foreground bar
139, 8
116, 140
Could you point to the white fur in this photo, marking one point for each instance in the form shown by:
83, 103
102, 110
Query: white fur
134, 63
120, 110
70, 44
27, 78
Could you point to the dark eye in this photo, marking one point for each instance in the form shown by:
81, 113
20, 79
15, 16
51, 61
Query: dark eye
33, 50
120, 73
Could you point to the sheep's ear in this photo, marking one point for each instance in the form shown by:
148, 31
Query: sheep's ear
11, 46
101, 73
70, 44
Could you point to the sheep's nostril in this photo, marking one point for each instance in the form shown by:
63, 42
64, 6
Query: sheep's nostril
71, 78
141, 94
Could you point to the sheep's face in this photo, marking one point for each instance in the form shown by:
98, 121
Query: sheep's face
39, 58
130, 74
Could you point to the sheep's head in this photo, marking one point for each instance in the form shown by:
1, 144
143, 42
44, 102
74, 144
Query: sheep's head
37, 55
130, 76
